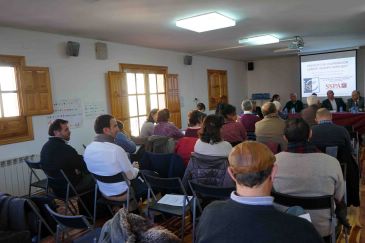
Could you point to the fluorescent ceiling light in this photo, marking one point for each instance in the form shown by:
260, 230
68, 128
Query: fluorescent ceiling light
206, 22
259, 40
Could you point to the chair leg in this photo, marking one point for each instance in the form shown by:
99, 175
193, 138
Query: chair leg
194, 217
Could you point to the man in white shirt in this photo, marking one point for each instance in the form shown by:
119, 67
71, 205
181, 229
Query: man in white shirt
103, 157
332, 103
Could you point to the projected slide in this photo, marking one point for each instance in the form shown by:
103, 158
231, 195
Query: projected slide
330, 71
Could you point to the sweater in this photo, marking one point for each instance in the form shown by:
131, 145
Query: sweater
231, 222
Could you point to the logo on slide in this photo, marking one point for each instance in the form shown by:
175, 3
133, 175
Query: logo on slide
311, 85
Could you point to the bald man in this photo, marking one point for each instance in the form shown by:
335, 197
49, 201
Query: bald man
294, 103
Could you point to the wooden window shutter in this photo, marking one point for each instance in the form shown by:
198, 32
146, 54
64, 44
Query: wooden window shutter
118, 91
35, 88
15, 130
173, 99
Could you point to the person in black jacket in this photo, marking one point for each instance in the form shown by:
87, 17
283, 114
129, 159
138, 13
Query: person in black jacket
249, 215
293, 104
56, 154
333, 103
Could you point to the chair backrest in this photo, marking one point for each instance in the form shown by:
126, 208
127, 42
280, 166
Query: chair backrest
77, 222
119, 177
160, 144
273, 146
309, 203
166, 184
166, 165
332, 150
216, 192
33, 164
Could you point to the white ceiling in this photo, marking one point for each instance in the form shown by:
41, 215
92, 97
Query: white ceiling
323, 24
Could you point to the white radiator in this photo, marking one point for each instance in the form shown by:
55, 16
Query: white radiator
15, 174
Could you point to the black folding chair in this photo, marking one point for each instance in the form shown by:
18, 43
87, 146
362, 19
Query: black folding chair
202, 192
76, 222
70, 193
119, 177
310, 203
38, 183
170, 185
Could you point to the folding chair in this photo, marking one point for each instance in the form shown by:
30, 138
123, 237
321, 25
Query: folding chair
119, 177
207, 192
39, 183
76, 222
170, 185
310, 203
70, 193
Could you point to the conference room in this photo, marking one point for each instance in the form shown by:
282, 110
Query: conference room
77, 60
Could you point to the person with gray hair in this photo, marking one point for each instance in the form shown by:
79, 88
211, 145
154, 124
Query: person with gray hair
293, 105
309, 113
271, 128
248, 118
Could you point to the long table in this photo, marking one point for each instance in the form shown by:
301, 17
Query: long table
356, 120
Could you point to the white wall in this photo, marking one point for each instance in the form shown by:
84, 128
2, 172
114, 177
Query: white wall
84, 77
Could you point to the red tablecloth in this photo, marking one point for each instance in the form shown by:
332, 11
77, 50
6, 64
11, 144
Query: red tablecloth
356, 120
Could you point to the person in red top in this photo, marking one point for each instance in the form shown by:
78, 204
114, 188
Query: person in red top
232, 131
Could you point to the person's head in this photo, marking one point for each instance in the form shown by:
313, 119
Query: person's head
163, 115
355, 95
59, 128
210, 131
152, 117
196, 118
297, 130
120, 125
247, 105
323, 115
277, 105
229, 112
251, 166
107, 125
268, 108
275, 97
330, 95
315, 94
293, 97
312, 100
200, 107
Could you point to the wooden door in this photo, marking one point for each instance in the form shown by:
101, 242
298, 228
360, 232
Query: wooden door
173, 99
217, 88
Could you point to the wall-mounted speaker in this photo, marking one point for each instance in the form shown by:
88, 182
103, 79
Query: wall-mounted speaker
101, 51
72, 48
188, 60
250, 66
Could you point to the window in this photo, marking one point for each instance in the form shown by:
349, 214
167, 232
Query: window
9, 95
24, 91
135, 92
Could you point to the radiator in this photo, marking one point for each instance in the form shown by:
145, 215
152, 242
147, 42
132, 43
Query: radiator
15, 174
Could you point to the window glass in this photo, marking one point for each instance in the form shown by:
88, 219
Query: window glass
10, 104
160, 83
132, 103
7, 79
152, 82
134, 126
153, 101
161, 101
140, 83
131, 83
142, 110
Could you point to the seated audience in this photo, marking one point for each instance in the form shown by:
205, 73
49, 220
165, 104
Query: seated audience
275, 97
184, 148
195, 120
271, 128
309, 113
210, 141
103, 157
256, 109
123, 141
278, 108
326, 133
149, 125
355, 102
304, 171
164, 127
293, 104
232, 131
200, 107
56, 154
249, 216
248, 119
332, 103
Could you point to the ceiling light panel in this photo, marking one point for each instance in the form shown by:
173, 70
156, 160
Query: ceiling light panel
206, 22
259, 40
